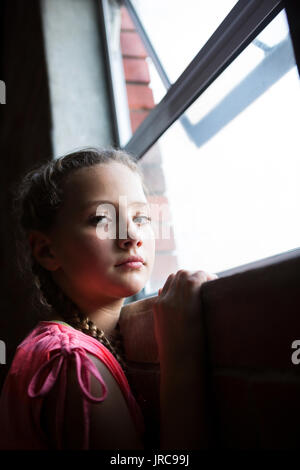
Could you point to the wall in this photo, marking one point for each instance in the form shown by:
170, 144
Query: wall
77, 77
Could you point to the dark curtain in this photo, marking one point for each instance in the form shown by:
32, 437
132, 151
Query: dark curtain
25, 129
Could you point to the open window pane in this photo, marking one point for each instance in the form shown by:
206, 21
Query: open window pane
178, 30
230, 165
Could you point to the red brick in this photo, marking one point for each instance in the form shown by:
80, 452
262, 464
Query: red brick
131, 45
164, 238
126, 21
277, 408
136, 118
165, 244
139, 97
136, 70
160, 208
154, 179
152, 157
162, 223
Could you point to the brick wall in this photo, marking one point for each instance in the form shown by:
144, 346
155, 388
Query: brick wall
140, 103
252, 388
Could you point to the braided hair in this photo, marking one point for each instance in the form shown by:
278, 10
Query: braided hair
36, 202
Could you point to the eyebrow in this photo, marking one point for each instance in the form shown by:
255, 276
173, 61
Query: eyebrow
93, 203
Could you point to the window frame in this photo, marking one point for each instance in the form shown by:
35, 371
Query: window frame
239, 28
243, 23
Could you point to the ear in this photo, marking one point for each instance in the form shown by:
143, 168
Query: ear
42, 250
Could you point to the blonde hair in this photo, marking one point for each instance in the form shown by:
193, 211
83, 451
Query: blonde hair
37, 200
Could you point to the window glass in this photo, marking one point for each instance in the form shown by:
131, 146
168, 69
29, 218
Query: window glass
230, 165
179, 30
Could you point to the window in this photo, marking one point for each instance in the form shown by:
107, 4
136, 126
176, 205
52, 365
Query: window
178, 32
219, 145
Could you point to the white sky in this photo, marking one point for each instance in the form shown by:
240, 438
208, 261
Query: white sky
235, 199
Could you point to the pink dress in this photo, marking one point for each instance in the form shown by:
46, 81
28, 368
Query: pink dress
33, 373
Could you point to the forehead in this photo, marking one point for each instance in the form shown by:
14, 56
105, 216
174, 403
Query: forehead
103, 182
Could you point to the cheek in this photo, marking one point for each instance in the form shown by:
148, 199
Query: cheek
85, 252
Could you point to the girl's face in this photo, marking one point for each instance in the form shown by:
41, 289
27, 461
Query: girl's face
86, 240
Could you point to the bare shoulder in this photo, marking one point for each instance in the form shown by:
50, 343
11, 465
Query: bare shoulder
111, 424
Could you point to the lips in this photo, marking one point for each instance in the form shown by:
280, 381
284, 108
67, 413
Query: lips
131, 265
132, 259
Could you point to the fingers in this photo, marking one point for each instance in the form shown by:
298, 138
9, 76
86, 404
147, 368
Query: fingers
172, 278
209, 276
201, 275
167, 284
194, 280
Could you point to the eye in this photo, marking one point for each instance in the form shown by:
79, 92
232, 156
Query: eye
98, 218
146, 218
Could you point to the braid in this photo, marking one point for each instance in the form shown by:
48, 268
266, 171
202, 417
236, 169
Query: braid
52, 297
38, 198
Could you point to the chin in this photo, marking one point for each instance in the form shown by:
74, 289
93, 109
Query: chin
128, 291
132, 292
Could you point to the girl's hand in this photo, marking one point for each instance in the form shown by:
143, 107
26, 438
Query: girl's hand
177, 316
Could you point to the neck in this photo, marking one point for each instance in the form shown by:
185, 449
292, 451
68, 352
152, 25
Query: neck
104, 311
105, 317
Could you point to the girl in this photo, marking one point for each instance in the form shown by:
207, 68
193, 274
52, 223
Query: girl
67, 385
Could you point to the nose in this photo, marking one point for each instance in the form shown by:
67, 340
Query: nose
133, 237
